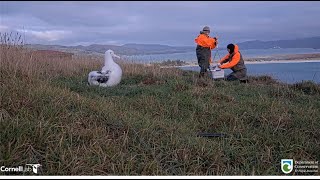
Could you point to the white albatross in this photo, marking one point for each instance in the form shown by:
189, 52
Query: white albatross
110, 74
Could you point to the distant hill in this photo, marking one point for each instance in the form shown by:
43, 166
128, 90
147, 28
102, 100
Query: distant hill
313, 42
91, 49
145, 49
159, 49
127, 49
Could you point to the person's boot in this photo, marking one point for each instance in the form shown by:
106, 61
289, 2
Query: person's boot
244, 81
201, 75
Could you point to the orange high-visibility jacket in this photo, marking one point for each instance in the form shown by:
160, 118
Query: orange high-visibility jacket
207, 42
234, 61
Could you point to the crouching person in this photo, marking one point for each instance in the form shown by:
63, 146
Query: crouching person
234, 61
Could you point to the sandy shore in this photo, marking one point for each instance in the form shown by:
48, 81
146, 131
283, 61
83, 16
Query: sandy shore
281, 61
253, 62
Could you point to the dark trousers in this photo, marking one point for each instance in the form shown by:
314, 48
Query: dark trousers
238, 75
203, 56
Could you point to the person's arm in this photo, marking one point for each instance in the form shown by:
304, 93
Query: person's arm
216, 41
221, 61
234, 61
213, 43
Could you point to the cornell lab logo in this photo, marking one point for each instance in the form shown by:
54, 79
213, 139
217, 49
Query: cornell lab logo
26, 168
34, 167
286, 165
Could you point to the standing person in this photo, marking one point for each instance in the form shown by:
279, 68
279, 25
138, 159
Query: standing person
204, 46
235, 62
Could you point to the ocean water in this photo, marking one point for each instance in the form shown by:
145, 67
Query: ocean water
284, 72
191, 56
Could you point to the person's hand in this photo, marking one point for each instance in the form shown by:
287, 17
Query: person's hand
216, 40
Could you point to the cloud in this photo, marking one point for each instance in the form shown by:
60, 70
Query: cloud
50, 35
173, 23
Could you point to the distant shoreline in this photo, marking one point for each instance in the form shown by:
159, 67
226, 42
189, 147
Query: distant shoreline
290, 58
281, 61
253, 62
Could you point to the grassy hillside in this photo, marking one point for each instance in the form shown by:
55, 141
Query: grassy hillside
148, 125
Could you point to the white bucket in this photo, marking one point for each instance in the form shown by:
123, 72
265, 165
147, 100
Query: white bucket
217, 73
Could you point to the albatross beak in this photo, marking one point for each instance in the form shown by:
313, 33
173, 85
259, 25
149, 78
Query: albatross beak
116, 56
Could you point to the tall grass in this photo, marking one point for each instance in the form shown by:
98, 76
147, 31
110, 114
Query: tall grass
148, 124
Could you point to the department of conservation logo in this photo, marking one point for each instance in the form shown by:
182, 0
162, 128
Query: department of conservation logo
287, 165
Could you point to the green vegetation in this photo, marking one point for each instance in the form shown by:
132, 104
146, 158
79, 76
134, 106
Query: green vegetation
171, 63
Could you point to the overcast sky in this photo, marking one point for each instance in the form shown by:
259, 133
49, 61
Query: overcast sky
170, 23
